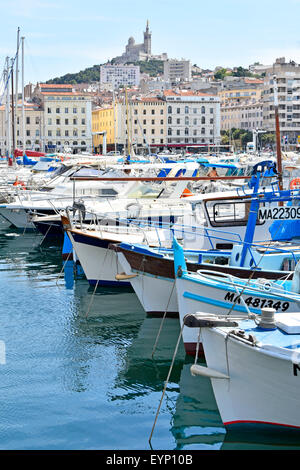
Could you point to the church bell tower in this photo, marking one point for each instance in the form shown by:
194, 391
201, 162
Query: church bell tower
147, 40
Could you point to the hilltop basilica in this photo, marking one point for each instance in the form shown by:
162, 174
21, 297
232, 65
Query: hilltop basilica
135, 52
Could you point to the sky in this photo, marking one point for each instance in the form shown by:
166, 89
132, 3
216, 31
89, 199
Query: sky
66, 36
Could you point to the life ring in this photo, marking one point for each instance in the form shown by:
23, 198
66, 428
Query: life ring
295, 183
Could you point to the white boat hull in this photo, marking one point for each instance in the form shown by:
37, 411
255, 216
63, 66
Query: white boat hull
100, 265
17, 217
156, 294
196, 297
263, 387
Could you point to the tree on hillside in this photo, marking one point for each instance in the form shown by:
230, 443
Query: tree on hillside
220, 74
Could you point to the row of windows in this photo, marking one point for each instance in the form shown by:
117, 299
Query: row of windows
67, 133
66, 110
246, 93
37, 133
187, 131
178, 121
37, 142
187, 140
58, 121
187, 120
35, 120
145, 111
145, 121
145, 131
187, 110
150, 103
65, 98
67, 143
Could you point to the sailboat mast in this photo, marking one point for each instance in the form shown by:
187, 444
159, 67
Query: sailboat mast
127, 120
8, 132
114, 111
23, 99
277, 129
12, 110
17, 82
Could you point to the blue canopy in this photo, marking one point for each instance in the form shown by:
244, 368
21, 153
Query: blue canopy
218, 165
28, 161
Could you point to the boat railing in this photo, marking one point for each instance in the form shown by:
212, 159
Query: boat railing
255, 285
213, 235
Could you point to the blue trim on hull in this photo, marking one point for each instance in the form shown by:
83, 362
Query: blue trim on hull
93, 282
92, 241
218, 303
258, 426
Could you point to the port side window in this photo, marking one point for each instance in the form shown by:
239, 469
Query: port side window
228, 213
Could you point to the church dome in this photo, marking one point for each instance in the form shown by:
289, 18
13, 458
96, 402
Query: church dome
131, 40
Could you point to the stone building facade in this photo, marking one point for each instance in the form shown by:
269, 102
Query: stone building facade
137, 52
288, 86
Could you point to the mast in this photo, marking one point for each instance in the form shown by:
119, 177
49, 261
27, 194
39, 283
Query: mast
127, 120
5, 76
12, 110
8, 133
17, 74
114, 110
23, 99
277, 128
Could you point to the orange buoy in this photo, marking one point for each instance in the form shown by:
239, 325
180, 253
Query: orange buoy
295, 183
19, 183
186, 193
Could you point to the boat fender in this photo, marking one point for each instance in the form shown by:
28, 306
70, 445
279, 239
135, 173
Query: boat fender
203, 371
124, 276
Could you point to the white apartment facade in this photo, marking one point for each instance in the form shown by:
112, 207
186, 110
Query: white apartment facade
247, 115
67, 120
288, 85
144, 121
120, 75
192, 118
33, 128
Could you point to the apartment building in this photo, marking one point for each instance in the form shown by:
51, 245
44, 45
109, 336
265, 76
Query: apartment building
33, 128
177, 70
241, 92
192, 118
288, 85
120, 75
67, 118
104, 120
247, 115
144, 121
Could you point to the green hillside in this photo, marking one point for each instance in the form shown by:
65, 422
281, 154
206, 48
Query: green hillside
92, 74
89, 75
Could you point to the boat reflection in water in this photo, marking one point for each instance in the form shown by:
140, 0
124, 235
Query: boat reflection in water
193, 419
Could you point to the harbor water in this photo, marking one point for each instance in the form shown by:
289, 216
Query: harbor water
77, 370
